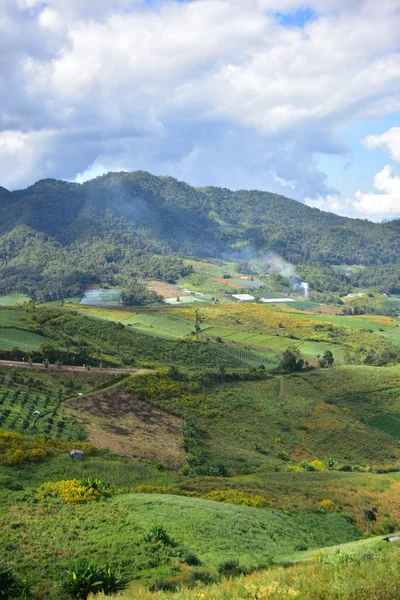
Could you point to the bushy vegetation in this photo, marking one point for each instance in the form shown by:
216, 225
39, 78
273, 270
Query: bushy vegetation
59, 237
12, 586
353, 573
87, 577
77, 491
16, 449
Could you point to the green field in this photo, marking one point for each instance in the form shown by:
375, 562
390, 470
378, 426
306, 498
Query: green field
246, 425
213, 531
277, 344
355, 571
13, 300
12, 337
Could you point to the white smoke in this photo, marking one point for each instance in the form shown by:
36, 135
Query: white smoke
286, 270
305, 287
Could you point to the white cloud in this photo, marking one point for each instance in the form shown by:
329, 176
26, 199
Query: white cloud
390, 140
376, 206
212, 91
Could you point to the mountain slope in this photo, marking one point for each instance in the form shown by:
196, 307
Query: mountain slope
122, 220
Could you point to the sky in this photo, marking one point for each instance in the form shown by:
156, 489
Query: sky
297, 97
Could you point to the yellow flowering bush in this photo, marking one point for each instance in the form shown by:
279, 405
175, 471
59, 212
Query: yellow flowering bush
328, 505
70, 490
76, 491
318, 465
236, 497
16, 449
271, 591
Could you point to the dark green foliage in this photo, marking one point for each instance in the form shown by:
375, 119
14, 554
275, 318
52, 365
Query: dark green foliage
230, 568
135, 294
58, 237
291, 361
87, 577
327, 360
11, 586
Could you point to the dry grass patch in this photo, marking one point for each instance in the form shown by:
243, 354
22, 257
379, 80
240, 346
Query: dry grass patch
166, 290
115, 419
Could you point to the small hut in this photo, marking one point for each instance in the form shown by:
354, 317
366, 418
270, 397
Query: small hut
76, 454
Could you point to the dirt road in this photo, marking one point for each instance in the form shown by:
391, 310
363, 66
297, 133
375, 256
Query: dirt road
40, 367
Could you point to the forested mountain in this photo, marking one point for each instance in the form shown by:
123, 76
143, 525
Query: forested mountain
58, 236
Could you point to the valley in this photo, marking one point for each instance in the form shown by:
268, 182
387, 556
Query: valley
238, 408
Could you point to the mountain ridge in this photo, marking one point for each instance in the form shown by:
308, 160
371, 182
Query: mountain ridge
101, 230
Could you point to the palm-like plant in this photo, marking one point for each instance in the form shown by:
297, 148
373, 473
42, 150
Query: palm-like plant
86, 577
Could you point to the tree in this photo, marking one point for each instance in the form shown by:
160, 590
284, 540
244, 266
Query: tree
199, 320
136, 294
291, 361
327, 360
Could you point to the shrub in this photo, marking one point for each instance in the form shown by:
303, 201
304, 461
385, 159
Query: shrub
328, 505
230, 568
388, 525
188, 557
302, 547
158, 533
318, 465
371, 554
75, 491
237, 497
12, 586
283, 455
86, 577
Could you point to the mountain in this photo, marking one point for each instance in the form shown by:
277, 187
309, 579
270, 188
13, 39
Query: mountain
60, 236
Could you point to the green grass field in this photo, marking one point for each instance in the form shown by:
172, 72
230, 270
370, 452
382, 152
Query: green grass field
110, 531
12, 337
216, 531
361, 571
13, 300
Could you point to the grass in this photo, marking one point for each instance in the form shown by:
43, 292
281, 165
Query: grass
351, 574
46, 536
317, 414
12, 337
216, 531
13, 300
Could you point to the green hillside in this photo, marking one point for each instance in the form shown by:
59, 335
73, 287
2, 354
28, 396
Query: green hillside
58, 237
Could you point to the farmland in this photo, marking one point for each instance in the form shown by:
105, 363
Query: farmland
260, 464
30, 401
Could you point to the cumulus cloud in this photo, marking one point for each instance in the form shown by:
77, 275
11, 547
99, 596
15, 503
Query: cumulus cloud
390, 140
212, 91
382, 204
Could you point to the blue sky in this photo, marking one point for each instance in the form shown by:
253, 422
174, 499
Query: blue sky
299, 97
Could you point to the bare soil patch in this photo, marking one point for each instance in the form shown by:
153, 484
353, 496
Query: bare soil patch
228, 283
166, 290
115, 419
